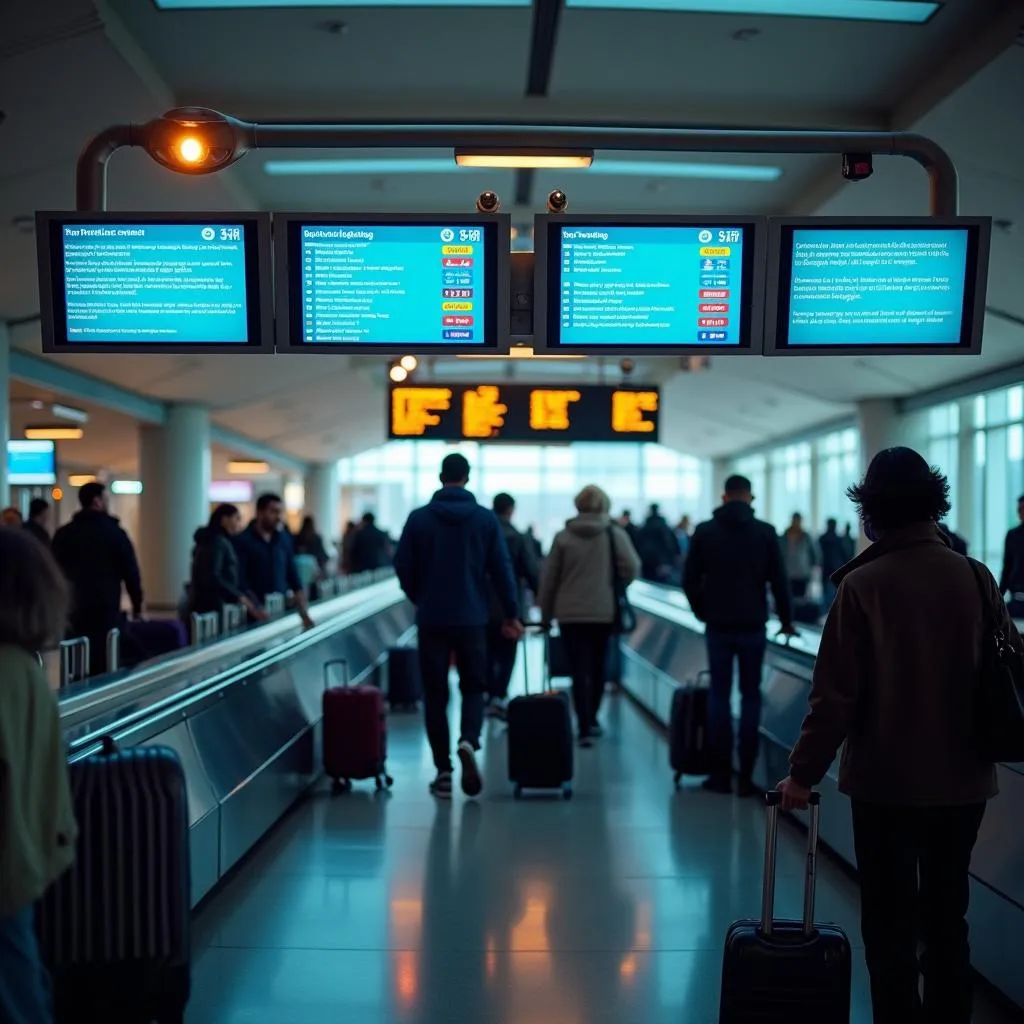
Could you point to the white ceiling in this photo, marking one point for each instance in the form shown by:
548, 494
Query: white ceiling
70, 67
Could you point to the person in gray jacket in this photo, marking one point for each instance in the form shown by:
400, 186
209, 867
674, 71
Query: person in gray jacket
577, 591
800, 556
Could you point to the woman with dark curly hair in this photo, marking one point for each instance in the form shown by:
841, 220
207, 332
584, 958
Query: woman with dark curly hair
900, 656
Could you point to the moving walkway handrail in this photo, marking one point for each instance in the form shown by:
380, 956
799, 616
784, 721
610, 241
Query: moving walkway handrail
372, 601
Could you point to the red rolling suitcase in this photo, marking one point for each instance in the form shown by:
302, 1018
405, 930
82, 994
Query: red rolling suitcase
354, 732
115, 930
786, 972
540, 753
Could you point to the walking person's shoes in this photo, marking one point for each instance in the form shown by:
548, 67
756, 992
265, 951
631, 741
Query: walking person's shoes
441, 787
472, 780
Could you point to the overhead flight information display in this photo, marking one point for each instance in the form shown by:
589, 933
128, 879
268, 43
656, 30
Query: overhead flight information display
675, 284
401, 285
31, 463
911, 286
522, 413
135, 282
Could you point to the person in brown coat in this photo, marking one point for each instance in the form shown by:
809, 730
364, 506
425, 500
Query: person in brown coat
899, 657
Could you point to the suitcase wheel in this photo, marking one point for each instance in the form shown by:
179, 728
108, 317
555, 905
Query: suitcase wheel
567, 792
677, 778
341, 786
517, 792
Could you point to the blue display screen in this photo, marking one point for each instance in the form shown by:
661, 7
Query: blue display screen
31, 463
882, 286
395, 285
168, 283
649, 285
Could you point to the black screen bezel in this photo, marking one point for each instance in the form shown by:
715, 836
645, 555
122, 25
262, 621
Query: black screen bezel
258, 282
287, 252
547, 328
780, 277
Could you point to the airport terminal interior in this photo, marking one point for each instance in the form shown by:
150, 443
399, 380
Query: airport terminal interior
312, 249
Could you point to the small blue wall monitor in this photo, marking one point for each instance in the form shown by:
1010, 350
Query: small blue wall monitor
31, 463
402, 284
652, 284
132, 282
910, 285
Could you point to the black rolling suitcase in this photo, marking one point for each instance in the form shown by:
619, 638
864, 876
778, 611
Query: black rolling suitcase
689, 748
114, 930
786, 972
540, 754
405, 689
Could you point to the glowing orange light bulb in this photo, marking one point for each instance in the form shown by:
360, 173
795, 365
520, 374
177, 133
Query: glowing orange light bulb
192, 150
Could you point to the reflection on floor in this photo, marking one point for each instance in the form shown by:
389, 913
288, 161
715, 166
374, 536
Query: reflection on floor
370, 909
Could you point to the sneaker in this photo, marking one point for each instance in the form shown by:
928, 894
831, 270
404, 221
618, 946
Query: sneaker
472, 781
441, 787
496, 709
715, 784
585, 741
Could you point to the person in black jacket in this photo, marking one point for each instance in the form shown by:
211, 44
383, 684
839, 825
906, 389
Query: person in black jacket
733, 560
834, 556
216, 575
97, 557
38, 522
1011, 579
501, 648
658, 547
371, 547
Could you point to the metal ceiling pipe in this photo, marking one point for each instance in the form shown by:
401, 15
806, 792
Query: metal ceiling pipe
942, 173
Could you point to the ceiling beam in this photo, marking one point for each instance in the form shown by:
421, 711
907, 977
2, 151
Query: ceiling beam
238, 444
544, 38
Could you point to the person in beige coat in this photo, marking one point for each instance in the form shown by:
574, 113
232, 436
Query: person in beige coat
577, 591
37, 828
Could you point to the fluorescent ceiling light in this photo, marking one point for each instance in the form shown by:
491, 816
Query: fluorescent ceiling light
624, 168
54, 433
126, 487
81, 479
69, 412
243, 467
215, 5
914, 12
537, 158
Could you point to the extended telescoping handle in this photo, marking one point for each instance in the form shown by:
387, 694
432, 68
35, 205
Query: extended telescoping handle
343, 662
771, 839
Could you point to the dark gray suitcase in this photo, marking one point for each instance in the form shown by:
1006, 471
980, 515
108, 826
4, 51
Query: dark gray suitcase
786, 972
689, 744
540, 749
115, 930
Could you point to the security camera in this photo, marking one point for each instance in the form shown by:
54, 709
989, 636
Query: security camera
488, 202
558, 201
627, 366
857, 166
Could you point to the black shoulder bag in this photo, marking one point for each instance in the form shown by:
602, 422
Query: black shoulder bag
625, 617
999, 704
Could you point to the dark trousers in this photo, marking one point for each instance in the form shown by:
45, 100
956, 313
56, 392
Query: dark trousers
798, 587
913, 864
468, 645
586, 649
24, 983
501, 660
748, 649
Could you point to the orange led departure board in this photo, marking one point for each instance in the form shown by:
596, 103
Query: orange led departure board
522, 413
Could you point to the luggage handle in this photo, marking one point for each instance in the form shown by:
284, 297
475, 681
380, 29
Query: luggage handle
345, 677
772, 802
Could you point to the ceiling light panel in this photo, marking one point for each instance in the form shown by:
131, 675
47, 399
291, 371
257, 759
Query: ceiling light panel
249, 5
912, 12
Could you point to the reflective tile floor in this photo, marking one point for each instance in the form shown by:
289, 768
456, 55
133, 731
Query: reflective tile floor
393, 909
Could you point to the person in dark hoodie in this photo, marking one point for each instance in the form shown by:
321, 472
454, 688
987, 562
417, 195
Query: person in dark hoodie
732, 562
450, 553
501, 648
98, 558
658, 547
370, 548
216, 574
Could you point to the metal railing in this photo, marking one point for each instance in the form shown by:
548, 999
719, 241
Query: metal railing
274, 605
74, 660
205, 627
113, 650
232, 618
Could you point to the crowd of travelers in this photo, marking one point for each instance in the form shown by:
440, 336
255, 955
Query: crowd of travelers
893, 683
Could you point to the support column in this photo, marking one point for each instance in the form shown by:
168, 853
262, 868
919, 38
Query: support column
963, 499
175, 472
323, 500
880, 427
5, 412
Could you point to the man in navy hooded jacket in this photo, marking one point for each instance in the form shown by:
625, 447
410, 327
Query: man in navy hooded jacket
450, 552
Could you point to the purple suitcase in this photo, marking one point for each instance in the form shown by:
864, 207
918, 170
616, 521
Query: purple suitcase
786, 972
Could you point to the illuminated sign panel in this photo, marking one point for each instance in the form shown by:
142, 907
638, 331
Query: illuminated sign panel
522, 413
132, 282
908, 285
400, 285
